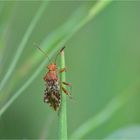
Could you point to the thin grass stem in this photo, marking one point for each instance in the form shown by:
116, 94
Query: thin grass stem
62, 121
25, 86
79, 19
23, 43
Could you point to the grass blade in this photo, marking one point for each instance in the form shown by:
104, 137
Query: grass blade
62, 122
111, 108
23, 43
79, 19
28, 82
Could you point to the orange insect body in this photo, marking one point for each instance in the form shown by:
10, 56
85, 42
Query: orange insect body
52, 74
52, 91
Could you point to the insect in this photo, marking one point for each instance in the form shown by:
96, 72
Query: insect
53, 83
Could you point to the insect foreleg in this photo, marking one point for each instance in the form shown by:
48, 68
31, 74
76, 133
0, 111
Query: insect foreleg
62, 70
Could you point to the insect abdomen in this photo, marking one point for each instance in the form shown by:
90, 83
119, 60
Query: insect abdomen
52, 94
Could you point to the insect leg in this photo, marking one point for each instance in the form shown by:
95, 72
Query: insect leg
68, 84
65, 91
45, 77
62, 70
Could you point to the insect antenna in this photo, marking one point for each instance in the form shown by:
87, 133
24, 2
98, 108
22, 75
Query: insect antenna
43, 52
59, 53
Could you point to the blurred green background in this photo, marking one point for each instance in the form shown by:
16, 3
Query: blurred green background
102, 59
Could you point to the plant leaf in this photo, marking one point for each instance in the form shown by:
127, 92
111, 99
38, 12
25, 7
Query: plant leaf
129, 132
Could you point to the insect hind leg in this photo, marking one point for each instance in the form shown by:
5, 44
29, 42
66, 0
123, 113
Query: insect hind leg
66, 92
69, 85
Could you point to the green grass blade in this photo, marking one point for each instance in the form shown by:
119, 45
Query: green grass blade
28, 82
79, 19
23, 43
111, 108
62, 122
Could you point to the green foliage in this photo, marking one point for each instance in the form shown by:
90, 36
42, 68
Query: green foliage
57, 39
110, 109
129, 132
102, 60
